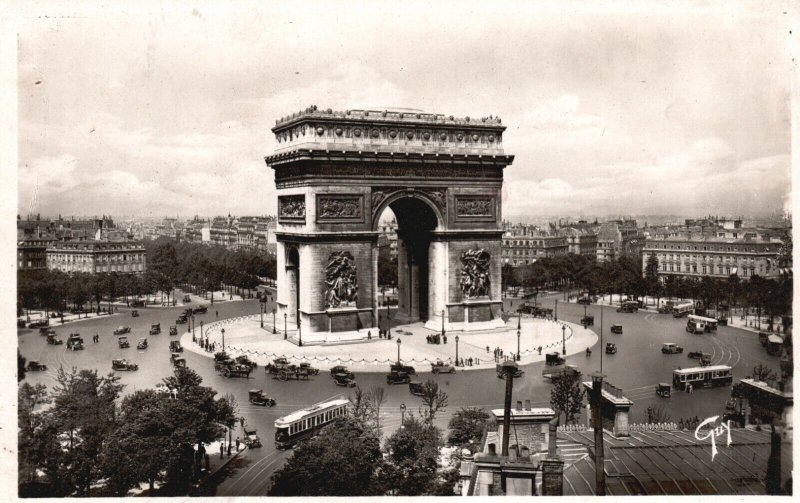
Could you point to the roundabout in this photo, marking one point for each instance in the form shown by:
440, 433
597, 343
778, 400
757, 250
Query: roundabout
366, 351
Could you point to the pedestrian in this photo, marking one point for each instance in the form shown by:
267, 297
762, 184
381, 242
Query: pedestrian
217, 313
241, 421
237, 444
221, 450
540, 350
487, 349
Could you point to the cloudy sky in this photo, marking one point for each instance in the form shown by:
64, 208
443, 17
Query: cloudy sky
162, 109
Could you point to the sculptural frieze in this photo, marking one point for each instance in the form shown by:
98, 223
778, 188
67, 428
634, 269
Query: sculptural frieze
336, 208
292, 207
474, 207
341, 280
475, 278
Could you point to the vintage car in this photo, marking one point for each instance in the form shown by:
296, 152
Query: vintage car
585, 301
236, 370
258, 397
695, 354
670, 348
587, 320
155, 329
399, 367
187, 299
397, 378
616, 329
627, 308
554, 359
663, 390
75, 342
122, 330
123, 342
611, 348
251, 439
518, 372
135, 313
123, 364
39, 324
340, 369
181, 319
439, 367
200, 310
141, 343
52, 339
342, 379
175, 347
177, 360
173, 330
527, 308
416, 388
35, 366
244, 360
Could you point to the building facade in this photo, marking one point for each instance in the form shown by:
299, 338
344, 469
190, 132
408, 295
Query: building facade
32, 253
126, 257
716, 257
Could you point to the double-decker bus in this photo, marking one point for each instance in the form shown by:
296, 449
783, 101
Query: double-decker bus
305, 423
700, 324
706, 377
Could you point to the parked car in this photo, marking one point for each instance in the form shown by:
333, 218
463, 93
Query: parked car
258, 397
439, 367
53, 340
155, 329
554, 359
75, 342
670, 348
141, 343
616, 329
587, 321
200, 310
135, 313
123, 364
122, 330
611, 348
340, 369
344, 380
663, 390
173, 330
397, 378
35, 366
175, 347
398, 367
123, 342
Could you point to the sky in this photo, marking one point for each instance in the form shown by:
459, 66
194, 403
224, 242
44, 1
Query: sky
166, 108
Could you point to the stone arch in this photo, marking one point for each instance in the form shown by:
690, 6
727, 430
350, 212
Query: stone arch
441, 221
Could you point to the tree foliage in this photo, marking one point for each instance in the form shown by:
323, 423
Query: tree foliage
433, 398
467, 426
566, 395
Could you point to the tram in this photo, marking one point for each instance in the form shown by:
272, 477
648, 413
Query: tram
305, 423
706, 377
699, 324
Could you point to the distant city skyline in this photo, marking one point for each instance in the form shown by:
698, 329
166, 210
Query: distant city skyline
679, 110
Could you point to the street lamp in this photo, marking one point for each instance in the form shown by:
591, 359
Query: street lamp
201, 331
599, 478
442, 323
402, 414
398, 350
518, 336
223, 340
273, 320
261, 312
285, 324
556, 313
192, 327
563, 339
299, 331
456, 351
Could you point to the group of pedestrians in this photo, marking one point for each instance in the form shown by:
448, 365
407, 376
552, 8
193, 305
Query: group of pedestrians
498, 353
468, 362
96, 338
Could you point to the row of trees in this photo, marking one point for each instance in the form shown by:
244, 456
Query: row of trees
346, 459
86, 444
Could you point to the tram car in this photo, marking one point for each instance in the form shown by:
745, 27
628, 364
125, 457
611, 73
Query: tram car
702, 377
305, 423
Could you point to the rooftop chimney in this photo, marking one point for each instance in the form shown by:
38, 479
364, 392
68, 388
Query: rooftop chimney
508, 373
519, 405
492, 450
527, 405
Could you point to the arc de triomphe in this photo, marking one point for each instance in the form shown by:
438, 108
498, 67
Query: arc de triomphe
335, 174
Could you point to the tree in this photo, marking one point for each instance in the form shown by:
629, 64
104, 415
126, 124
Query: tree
566, 396
412, 454
433, 398
21, 361
359, 404
763, 373
343, 460
467, 426
375, 397
657, 415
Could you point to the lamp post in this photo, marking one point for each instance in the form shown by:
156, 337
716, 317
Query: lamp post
201, 331
563, 339
456, 351
261, 312
398, 350
402, 414
223, 340
299, 331
584, 315
599, 477
285, 324
555, 316
192, 327
518, 336
274, 331
442, 323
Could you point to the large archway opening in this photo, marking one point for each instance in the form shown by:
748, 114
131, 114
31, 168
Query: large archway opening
293, 283
403, 271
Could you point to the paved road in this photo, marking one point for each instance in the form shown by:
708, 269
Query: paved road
637, 367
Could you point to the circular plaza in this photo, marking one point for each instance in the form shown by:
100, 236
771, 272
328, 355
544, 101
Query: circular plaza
366, 351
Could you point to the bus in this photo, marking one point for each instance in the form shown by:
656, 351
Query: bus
774, 344
682, 309
706, 377
700, 324
305, 423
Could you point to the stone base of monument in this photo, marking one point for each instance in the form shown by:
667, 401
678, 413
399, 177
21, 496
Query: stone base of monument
468, 316
474, 326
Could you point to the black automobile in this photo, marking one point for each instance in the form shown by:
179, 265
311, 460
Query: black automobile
416, 388
35, 366
175, 347
585, 301
340, 369
345, 380
182, 319
75, 342
258, 397
554, 359
398, 367
200, 310
611, 348
173, 330
663, 390
155, 329
616, 329
587, 321
397, 378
